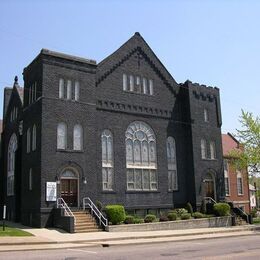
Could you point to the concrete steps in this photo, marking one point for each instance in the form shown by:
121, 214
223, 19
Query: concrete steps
85, 222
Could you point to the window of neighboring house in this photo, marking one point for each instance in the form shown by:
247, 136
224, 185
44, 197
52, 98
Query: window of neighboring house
226, 175
76, 91
69, 89
28, 137
12, 147
30, 179
212, 148
61, 88
78, 138
141, 159
107, 160
203, 148
172, 166
34, 138
239, 183
206, 115
62, 136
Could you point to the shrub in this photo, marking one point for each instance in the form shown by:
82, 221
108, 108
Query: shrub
149, 218
189, 208
163, 218
129, 219
198, 215
115, 213
138, 220
181, 211
254, 213
185, 216
172, 216
99, 205
221, 209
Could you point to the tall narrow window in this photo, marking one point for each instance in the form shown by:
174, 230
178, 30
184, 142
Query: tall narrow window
131, 81
145, 90
30, 179
212, 147
34, 138
107, 160
12, 147
77, 138
28, 137
62, 136
124, 82
61, 88
77, 91
32, 98
203, 148
35, 91
29, 91
137, 84
172, 166
239, 183
206, 116
141, 162
226, 175
151, 87
69, 89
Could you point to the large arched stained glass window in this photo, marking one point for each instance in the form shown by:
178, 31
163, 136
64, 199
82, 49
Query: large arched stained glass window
107, 160
141, 162
172, 166
12, 147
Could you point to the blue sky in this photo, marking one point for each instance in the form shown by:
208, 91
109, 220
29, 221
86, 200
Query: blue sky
216, 43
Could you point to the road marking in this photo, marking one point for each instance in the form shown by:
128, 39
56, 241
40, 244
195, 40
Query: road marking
81, 250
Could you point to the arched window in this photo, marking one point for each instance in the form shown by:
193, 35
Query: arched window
172, 166
212, 148
62, 136
203, 148
206, 115
12, 147
28, 138
77, 138
141, 157
34, 138
239, 183
107, 160
226, 175
61, 88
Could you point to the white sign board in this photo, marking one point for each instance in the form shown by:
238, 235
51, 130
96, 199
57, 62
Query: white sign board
51, 191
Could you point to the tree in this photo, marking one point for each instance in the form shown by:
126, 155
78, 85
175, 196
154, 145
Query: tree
249, 137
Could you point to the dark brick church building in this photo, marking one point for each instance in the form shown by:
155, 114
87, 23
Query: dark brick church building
120, 132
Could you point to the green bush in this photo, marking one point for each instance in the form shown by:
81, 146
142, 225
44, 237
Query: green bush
253, 213
129, 219
221, 209
115, 213
150, 218
172, 216
138, 220
189, 208
185, 216
99, 205
181, 211
198, 215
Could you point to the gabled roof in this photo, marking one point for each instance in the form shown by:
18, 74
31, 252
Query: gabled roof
136, 44
229, 143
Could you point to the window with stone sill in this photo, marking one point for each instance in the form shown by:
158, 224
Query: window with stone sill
67, 87
141, 162
239, 183
138, 84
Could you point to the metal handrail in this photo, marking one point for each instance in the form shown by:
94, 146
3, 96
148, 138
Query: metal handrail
243, 213
209, 198
87, 202
62, 204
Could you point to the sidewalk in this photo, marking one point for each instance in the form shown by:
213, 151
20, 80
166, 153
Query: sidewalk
54, 239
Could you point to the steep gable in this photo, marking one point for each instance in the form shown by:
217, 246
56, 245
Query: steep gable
135, 46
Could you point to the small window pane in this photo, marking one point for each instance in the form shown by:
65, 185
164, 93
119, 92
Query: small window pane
206, 117
77, 137
138, 179
77, 91
151, 86
131, 79
203, 149
61, 88
145, 90
146, 179
212, 150
69, 89
30, 179
61, 136
124, 82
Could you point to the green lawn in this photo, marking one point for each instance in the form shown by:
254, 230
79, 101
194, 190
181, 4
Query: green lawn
256, 220
13, 232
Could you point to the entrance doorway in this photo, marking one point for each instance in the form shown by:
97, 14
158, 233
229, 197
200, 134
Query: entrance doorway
69, 188
209, 185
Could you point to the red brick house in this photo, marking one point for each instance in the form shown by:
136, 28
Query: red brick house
236, 181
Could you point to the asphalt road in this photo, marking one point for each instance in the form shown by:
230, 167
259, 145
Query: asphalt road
245, 247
